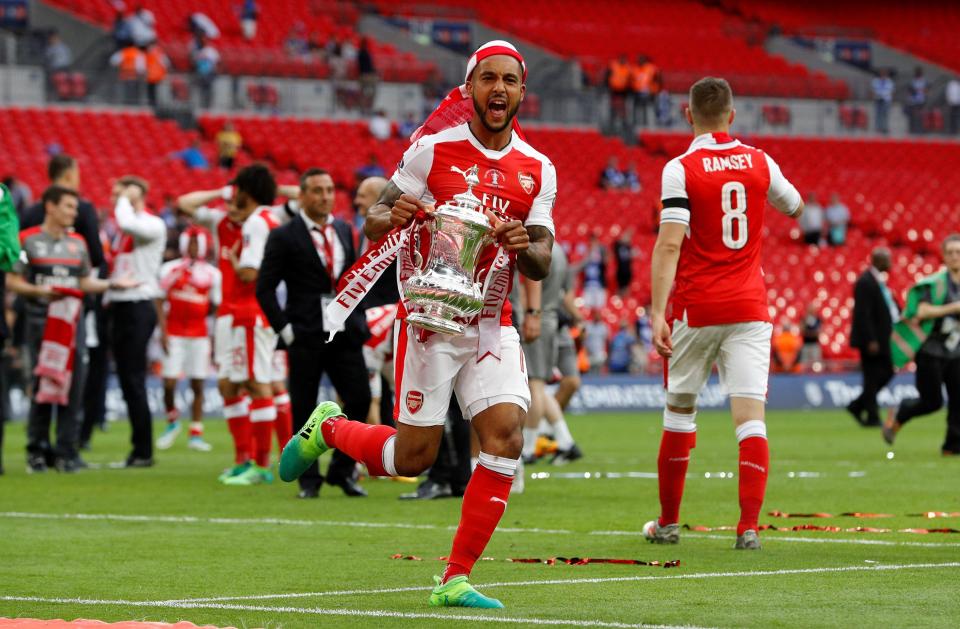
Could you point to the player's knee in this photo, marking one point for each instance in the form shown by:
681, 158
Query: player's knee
682, 402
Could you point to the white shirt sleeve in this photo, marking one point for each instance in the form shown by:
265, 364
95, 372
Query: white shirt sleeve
541, 211
413, 169
216, 289
140, 225
673, 194
255, 232
208, 216
782, 195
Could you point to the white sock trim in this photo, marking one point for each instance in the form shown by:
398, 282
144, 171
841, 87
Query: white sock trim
679, 422
752, 428
283, 398
388, 456
498, 464
263, 414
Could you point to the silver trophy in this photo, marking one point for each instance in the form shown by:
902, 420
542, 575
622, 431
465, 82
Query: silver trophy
442, 288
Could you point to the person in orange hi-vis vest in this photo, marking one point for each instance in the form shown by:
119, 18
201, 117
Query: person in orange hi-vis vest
157, 64
131, 65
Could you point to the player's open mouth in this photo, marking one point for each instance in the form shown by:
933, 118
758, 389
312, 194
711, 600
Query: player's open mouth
497, 108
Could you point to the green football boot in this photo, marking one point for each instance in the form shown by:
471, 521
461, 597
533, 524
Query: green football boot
236, 470
253, 475
458, 593
306, 446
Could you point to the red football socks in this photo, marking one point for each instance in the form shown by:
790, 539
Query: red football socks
263, 415
236, 412
484, 502
754, 463
284, 423
362, 442
672, 465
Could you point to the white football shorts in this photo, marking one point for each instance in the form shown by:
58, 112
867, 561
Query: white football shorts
251, 354
187, 356
279, 369
741, 352
427, 373
222, 341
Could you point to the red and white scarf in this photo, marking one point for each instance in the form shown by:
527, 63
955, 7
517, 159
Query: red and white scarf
58, 348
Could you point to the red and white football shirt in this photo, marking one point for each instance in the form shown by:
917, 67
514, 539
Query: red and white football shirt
256, 229
191, 287
516, 183
718, 189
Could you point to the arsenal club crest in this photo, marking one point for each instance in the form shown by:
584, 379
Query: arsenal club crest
527, 182
414, 401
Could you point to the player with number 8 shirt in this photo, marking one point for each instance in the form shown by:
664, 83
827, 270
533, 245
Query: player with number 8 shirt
710, 242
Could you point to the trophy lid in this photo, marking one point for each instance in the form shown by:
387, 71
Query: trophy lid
466, 206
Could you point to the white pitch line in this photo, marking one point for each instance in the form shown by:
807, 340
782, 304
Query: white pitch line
506, 584
374, 613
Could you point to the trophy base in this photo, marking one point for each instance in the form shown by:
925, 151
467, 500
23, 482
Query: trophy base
434, 323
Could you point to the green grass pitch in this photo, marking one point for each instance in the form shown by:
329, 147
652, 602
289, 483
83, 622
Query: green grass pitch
168, 536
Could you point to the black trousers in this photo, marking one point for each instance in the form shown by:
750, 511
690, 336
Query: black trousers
131, 325
453, 459
933, 374
344, 366
41, 415
95, 384
877, 372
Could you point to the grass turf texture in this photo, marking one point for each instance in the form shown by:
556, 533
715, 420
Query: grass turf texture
152, 560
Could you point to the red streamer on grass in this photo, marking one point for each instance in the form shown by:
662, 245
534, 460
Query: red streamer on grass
569, 561
860, 514
817, 527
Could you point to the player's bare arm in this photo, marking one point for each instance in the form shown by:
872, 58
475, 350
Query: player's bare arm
392, 209
190, 202
533, 245
666, 254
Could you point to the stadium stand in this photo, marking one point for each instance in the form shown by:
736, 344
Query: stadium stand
322, 19
653, 29
929, 34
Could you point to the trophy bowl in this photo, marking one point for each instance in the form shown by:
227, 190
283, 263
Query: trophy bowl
442, 289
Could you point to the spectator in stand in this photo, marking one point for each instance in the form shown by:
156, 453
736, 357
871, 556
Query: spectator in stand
192, 157
407, 126
811, 222
953, 105
664, 109
631, 178
621, 349
249, 12
229, 142
917, 92
786, 346
595, 334
874, 313
158, 65
131, 65
643, 77
612, 178
371, 169
368, 76
380, 126
133, 314
883, 88
623, 256
594, 270
202, 26
811, 351
20, 194
296, 44
57, 56
644, 332
143, 27
618, 86
205, 60
838, 216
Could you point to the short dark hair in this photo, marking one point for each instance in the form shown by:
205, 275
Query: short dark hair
134, 180
711, 99
257, 181
58, 165
54, 194
946, 241
311, 172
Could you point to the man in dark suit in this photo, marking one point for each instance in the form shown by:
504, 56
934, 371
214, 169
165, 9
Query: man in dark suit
874, 312
310, 254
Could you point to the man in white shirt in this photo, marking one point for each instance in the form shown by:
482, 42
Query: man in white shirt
953, 105
138, 251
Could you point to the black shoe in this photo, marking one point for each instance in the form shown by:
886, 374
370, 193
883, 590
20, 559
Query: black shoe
350, 487
529, 459
85, 446
309, 492
872, 422
133, 461
36, 464
857, 413
428, 490
562, 457
67, 466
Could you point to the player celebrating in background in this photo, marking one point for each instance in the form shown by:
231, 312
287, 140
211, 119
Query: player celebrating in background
484, 366
193, 289
712, 225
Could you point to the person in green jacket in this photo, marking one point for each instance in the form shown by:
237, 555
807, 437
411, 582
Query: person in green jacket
9, 253
929, 334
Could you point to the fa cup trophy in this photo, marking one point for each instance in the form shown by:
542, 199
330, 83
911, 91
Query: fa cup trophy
443, 289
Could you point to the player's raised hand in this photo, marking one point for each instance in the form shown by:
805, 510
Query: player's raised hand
661, 337
511, 234
405, 208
